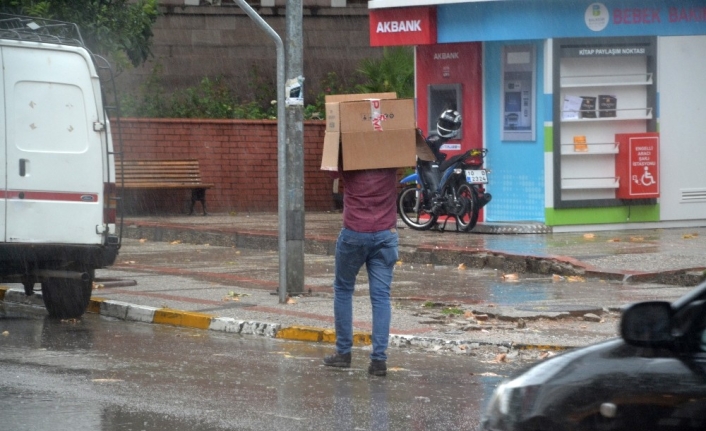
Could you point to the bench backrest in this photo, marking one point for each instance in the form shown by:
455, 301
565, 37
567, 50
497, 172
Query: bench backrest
158, 173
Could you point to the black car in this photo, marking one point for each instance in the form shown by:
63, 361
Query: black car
652, 378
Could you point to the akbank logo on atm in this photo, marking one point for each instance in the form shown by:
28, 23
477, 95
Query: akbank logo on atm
596, 17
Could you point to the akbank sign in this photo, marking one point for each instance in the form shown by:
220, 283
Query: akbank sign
403, 26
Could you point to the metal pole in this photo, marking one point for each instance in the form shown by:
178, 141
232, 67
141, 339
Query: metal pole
295, 147
281, 150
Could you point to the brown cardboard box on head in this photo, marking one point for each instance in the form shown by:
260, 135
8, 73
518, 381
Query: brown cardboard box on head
370, 131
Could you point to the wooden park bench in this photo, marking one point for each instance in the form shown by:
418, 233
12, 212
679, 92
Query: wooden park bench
164, 174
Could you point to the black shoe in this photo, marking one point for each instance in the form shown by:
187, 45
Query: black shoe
377, 368
338, 360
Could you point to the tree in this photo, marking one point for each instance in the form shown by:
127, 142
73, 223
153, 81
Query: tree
393, 72
117, 29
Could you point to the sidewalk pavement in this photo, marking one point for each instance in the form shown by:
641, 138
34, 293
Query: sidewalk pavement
453, 291
675, 256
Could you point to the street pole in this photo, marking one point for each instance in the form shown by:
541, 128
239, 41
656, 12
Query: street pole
281, 150
294, 88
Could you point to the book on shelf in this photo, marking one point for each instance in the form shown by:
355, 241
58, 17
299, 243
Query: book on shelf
571, 107
588, 107
607, 105
580, 145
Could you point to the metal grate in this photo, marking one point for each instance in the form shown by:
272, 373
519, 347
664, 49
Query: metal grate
693, 195
26, 28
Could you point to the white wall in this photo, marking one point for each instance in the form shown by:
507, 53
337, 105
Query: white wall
681, 84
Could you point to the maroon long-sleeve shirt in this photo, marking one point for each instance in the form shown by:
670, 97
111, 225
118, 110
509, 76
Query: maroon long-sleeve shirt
369, 199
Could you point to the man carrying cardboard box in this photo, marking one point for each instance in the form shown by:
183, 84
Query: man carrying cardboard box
369, 233
369, 237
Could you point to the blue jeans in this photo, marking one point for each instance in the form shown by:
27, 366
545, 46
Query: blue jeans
378, 251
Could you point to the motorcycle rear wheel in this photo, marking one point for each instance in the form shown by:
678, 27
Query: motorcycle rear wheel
468, 217
410, 207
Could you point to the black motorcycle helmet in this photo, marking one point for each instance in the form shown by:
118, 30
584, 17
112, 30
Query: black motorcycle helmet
448, 124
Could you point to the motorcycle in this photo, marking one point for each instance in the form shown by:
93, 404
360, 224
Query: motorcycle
441, 189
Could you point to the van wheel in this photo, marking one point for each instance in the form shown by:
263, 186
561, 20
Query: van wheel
65, 298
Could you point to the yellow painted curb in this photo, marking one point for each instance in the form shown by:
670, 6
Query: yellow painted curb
94, 306
303, 333
329, 336
320, 335
188, 319
3, 289
361, 338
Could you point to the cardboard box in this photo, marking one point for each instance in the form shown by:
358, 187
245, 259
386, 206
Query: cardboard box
369, 131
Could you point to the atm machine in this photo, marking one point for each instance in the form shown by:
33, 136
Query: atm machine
518, 93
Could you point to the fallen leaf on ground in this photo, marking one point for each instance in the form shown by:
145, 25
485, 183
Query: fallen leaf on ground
468, 314
143, 240
98, 286
557, 277
398, 263
175, 242
5, 333
291, 300
234, 296
589, 236
546, 355
396, 369
129, 262
502, 357
614, 240
690, 235
462, 266
510, 277
574, 278
636, 239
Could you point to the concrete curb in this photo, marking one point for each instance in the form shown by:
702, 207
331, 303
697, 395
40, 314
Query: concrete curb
190, 319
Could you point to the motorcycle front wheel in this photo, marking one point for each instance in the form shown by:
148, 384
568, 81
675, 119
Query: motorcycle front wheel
467, 217
410, 207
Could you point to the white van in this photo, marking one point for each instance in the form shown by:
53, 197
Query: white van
57, 181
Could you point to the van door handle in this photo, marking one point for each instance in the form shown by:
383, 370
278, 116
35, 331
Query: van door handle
23, 167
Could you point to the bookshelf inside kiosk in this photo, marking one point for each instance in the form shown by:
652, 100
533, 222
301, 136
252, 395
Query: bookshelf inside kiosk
602, 87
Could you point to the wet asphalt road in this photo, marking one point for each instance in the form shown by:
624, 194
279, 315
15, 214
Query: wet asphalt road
107, 375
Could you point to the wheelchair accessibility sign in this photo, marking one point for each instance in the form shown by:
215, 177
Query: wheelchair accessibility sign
637, 165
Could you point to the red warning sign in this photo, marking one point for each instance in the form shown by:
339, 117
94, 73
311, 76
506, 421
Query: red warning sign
637, 165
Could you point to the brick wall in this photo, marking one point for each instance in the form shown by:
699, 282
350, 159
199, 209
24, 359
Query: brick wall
238, 156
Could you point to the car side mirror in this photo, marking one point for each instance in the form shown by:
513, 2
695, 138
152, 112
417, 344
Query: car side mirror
648, 324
